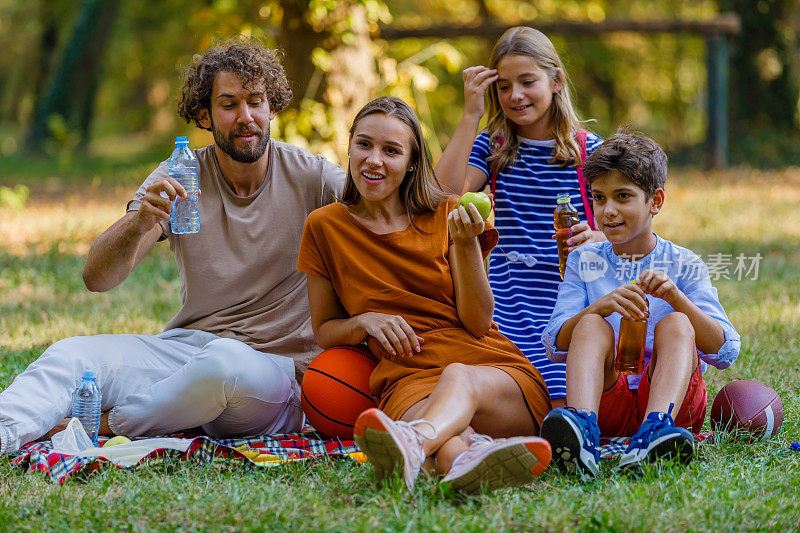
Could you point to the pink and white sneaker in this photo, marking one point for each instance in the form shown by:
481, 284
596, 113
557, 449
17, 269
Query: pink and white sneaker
391, 444
495, 463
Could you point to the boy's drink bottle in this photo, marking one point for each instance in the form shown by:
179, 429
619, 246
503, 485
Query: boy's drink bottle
86, 404
564, 217
185, 216
630, 347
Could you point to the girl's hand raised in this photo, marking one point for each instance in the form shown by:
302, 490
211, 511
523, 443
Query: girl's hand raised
462, 226
583, 234
476, 80
392, 331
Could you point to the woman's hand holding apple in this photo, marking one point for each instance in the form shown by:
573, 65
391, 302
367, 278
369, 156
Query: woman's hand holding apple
392, 331
461, 225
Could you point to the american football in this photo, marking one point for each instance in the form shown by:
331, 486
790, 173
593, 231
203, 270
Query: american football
748, 405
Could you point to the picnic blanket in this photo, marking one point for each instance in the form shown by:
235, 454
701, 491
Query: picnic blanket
263, 451
272, 450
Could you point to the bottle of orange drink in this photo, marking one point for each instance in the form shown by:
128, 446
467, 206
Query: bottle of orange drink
564, 217
631, 344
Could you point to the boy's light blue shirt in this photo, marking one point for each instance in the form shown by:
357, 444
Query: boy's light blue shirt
594, 270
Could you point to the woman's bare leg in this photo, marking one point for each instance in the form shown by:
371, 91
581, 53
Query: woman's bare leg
483, 398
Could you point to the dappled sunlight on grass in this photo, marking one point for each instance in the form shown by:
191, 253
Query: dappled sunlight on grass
67, 222
741, 205
42, 253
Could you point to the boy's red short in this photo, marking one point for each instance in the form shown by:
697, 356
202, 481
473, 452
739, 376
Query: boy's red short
622, 410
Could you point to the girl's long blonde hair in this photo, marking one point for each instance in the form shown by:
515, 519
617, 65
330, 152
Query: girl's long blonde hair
420, 191
564, 121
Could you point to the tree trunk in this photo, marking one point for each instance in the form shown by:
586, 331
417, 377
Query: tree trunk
353, 78
298, 39
73, 84
763, 94
48, 40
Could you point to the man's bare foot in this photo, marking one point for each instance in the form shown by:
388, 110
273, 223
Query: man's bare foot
61, 426
104, 429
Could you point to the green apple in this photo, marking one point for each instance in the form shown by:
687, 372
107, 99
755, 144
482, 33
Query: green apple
113, 441
481, 200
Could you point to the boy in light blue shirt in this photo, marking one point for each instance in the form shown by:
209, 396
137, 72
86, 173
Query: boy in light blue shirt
687, 327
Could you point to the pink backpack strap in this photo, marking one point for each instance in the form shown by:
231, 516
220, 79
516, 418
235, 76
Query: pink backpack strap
499, 141
587, 206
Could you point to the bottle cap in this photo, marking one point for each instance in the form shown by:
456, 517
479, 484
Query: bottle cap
89, 374
181, 140
562, 198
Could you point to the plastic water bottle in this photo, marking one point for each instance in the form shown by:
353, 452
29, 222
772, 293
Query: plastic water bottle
86, 404
185, 216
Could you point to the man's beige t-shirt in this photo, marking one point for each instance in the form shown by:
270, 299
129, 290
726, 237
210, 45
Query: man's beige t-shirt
238, 274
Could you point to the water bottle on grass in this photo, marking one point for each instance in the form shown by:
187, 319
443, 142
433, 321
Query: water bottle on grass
185, 216
86, 404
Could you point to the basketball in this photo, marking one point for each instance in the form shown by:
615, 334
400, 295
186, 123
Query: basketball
747, 405
335, 390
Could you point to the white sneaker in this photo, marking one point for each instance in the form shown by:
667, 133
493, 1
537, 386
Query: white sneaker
390, 445
495, 463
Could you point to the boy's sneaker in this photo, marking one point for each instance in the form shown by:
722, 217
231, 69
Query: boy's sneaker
391, 444
495, 463
574, 437
658, 438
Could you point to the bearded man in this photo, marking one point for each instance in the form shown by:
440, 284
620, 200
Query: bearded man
231, 359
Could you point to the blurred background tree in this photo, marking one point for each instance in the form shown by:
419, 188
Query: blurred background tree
337, 61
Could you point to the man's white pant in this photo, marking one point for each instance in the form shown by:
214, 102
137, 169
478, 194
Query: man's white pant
156, 384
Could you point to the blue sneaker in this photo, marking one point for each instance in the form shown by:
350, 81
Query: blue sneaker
574, 438
658, 438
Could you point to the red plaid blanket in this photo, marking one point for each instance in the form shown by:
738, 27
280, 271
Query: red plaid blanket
273, 449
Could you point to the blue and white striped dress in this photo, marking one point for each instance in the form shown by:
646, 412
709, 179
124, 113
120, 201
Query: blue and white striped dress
523, 269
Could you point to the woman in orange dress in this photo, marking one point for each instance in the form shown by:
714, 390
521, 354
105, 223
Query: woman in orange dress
398, 264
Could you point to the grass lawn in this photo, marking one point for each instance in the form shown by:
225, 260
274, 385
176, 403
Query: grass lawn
730, 486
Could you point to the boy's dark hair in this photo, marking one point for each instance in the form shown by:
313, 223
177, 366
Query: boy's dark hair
246, 58
638, 158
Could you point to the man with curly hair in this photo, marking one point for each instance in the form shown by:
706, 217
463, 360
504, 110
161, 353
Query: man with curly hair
231, 359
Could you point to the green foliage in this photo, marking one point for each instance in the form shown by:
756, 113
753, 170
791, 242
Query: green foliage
14, 198
655, 82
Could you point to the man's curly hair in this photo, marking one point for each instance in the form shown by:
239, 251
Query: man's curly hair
246, 58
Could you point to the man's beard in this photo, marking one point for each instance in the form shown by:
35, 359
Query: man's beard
251, 152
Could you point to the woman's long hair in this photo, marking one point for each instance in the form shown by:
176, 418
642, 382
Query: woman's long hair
564, 121
420, 191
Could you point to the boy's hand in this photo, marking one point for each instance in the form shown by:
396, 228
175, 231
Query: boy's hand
461, 225
658, 284
627, 300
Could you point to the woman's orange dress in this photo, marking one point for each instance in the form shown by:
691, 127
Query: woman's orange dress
407, 273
